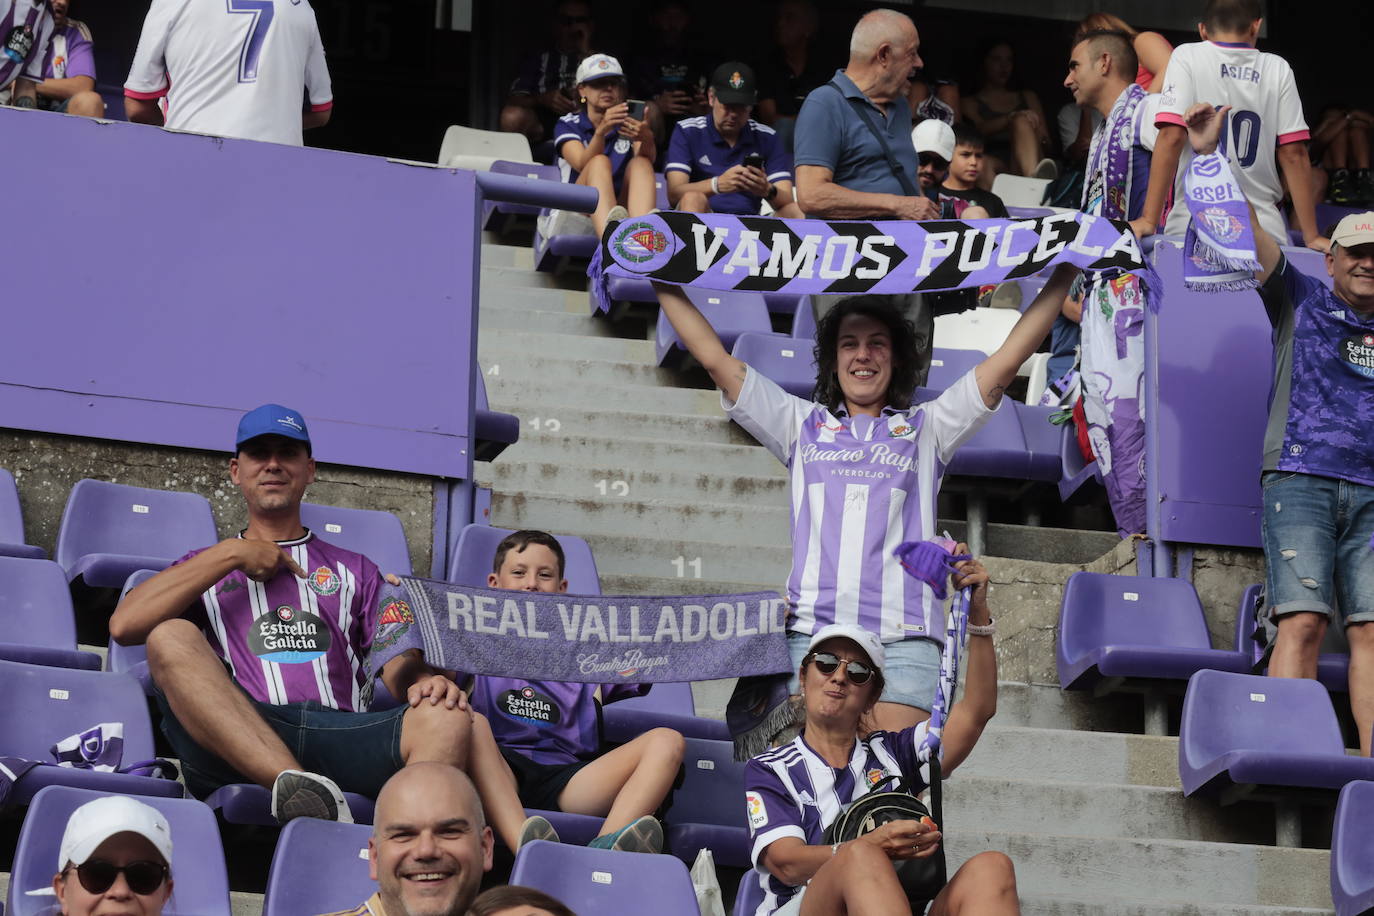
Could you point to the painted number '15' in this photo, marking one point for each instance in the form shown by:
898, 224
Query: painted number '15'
262, 12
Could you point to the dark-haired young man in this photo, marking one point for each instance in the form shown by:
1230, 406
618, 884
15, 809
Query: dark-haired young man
549, 731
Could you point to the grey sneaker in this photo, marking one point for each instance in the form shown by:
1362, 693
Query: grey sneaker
536, 828
644, 834
299, 794
1047, 169
616, 214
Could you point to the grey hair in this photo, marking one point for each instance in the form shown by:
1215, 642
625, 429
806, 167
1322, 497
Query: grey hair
874, 28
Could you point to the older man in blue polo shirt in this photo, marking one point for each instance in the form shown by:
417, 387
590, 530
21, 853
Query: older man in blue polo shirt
709, 166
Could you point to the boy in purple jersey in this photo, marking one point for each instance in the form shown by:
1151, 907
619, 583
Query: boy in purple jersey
866, 467
1318, 469
550, 731
257, 646
794, 792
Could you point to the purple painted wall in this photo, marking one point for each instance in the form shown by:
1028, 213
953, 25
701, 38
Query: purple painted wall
162, 283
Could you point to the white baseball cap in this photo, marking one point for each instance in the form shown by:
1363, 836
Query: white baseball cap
598, 66
96, 821
934, 136
1354, 229
865, 640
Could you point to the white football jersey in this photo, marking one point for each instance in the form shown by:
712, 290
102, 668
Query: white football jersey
1265, 114
237, 68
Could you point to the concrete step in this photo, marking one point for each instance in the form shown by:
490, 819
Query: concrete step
529, 391
743, 526
544, 321
1179, 872
1074, 756
664, 585
493, 296
670, 429
581, 447
618, 482
1064, 906
573, 370
1074, 546
527, 278
568, 346
498, 255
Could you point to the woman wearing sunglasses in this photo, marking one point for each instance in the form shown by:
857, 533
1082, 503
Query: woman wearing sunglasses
114, 859
795, 791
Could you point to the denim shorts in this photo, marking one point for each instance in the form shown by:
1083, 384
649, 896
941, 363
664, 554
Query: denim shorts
1317, 533
910, 672
358, 750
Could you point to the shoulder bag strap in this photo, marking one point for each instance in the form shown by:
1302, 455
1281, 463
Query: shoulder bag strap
861, 109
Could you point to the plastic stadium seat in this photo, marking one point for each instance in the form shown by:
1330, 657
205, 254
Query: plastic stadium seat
981, 329
1242, 730
785, 303
375, 534
469, 148
661, 191
804, 321
708, 810
631, 289
318, 867
748, 896
498, 215
131, 660
45, 705
37, 625
1134, 627
665, 706
1333, 668
492, 429
12, 522
603, 881
948, 365
1028, 212
1352, 837
1328, 215
244, 803
561, 237
729, 313
574, 829
472, 556
110, 530
202, 883
784, 360
1312, 263
1016, 191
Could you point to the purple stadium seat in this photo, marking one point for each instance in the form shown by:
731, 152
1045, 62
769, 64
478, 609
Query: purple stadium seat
36, 621
630, 289
555, 254
748, 896
472, 556
665, 706
784, 360
202, 883
110, 530
603, 881
12, 522
708, 809
44, 705
244, 803
498, 216
1075, 471
131, 660
729, 313
575, 829
318, 867
661, 192
493, 430
1240, 731
1043, 441
1029, 212
997, 450
374, 534
948, 366
1333, 668
1312, 263
1115, 627
785, 303
1352, 838
804, 322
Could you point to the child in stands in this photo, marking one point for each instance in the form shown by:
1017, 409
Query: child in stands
965, 168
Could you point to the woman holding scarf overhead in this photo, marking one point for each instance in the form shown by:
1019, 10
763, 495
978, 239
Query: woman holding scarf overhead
1101, 75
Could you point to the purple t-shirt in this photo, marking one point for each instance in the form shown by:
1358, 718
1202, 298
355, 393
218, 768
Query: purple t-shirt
791, 791
1321, 407
860, 487
78, 60
290, 640
550, 722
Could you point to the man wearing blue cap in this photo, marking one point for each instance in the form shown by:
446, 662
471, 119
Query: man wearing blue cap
258, 647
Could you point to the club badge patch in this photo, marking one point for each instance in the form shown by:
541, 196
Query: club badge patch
324, 581
392, 623
288, 636
642, 244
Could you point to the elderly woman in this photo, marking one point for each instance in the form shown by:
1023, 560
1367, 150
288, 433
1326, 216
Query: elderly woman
794, 792
115, 857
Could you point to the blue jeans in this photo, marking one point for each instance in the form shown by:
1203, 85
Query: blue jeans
1317, 546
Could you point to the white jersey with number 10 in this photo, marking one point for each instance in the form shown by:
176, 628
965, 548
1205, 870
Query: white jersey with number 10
238, 68
1265, 114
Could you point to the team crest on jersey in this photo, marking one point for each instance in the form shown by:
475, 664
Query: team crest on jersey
393, 622
758, 815
874, 777
1224, 227
904, 431
324, 581
736, 81
622, 145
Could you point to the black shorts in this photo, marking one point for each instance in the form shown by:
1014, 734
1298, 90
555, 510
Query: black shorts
540, 784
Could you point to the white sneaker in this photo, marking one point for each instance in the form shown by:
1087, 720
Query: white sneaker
1046, 169
616, 214
299, 794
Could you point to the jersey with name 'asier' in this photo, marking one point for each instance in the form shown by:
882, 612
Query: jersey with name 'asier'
240, 68
860, 486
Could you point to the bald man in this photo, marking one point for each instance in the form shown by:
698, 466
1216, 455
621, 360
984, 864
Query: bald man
430, 844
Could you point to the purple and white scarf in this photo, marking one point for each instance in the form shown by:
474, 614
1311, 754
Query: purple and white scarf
1109, 157
932, 562
1219, 248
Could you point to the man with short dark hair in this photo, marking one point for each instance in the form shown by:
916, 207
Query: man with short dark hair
960, 184
707, 168
69, 68
545, 88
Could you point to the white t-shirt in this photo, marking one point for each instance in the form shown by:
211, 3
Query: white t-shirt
235, 69
1265, 114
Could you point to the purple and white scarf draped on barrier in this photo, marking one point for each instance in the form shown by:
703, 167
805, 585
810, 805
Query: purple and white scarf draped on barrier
1219, 247
588, 639
806, 257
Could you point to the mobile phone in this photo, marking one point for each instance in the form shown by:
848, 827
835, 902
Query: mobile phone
753, 161
636, 109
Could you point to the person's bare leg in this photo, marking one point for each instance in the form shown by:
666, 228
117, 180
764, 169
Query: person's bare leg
597, 175
495, 783
87, 104
639, 186
628, 782
1296, 646
1361, 636
983, 886
1025, 147
694, 202
858, 881
436, 734
893, 717
1357, 146
212, 709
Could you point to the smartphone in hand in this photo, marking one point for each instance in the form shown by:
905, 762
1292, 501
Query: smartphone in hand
636, 109
753, 161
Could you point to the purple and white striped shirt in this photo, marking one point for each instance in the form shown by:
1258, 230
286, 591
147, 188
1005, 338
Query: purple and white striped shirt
36, 15
290, 640
860, 487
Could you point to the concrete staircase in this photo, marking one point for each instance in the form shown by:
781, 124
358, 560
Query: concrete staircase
674, 498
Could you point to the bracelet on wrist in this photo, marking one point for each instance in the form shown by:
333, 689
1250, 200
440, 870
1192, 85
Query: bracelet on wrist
990, 629
715, 184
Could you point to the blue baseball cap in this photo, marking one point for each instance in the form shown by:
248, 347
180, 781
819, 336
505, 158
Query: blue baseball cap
273, 420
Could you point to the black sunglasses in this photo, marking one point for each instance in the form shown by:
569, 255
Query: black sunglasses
932, 159
857, 672
98, 876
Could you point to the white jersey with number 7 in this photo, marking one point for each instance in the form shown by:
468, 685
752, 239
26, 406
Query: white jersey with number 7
237, 68
1265, 114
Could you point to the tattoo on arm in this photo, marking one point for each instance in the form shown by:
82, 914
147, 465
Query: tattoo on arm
995, 394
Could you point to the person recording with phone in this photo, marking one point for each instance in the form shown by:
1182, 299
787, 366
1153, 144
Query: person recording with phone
725, 162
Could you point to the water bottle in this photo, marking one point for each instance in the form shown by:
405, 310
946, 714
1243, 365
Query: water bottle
19, 43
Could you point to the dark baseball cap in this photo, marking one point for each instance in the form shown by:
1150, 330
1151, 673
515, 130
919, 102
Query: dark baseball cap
734, 84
